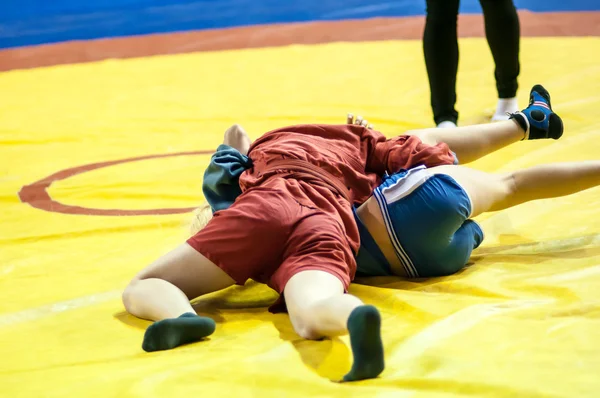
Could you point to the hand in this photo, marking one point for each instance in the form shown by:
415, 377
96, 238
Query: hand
359, 121
236, 137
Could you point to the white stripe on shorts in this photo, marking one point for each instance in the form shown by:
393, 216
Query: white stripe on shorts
406, 262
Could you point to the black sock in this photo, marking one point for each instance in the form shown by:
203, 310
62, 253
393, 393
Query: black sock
173, 332
364, 326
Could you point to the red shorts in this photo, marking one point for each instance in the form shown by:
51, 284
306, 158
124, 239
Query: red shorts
274, 231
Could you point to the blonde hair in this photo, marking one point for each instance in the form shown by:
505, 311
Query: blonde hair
202, 215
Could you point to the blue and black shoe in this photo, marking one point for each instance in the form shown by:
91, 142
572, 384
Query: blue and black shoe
537, 120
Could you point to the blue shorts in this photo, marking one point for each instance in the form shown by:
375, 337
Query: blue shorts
427, 218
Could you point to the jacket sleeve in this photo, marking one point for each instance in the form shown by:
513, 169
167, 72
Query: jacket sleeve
404, 152
220, 185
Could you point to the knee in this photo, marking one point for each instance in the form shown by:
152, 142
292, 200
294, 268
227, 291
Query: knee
308, 332
127, 296
304, 325
506, 188
510, 183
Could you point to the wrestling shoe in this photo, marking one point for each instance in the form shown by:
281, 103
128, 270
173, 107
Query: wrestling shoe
537, 119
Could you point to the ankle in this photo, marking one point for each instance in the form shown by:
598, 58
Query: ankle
521, 120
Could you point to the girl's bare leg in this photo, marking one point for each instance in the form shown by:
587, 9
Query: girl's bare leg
162, 292
318, 308
493, 192
473, 142
468, 143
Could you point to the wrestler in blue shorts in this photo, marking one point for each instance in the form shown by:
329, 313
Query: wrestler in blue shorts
426, 217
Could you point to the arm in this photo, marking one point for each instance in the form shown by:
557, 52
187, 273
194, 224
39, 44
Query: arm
221, 179
237, 138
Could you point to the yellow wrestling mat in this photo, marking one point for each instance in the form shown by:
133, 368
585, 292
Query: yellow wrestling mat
524, 320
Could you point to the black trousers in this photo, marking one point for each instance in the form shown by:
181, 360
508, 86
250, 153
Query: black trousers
440, 45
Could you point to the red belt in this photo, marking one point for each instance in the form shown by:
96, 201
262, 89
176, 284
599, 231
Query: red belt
302, 168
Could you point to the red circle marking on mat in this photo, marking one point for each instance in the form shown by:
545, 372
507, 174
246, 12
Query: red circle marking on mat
37, 196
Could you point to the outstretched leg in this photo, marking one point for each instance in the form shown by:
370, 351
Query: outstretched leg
315, 273
470, 143
318, 308
162, 292
493, 192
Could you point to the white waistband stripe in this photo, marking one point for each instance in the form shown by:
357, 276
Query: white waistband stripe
400, 253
